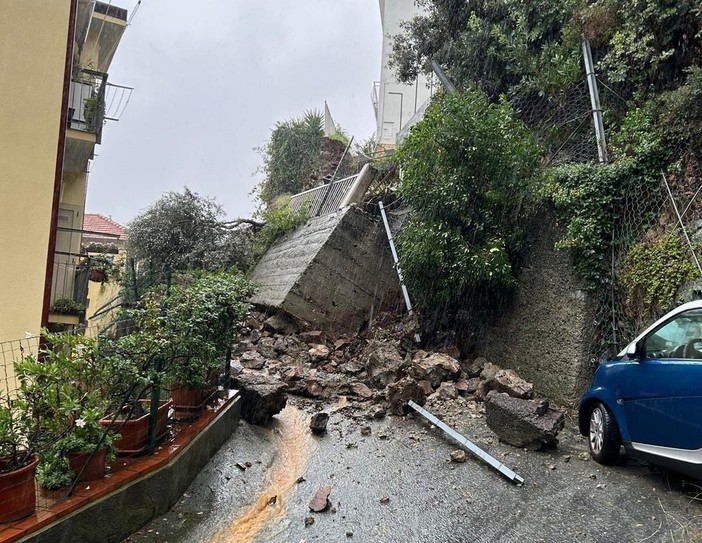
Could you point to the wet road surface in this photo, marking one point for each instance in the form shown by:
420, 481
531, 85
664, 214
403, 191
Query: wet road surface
397, 485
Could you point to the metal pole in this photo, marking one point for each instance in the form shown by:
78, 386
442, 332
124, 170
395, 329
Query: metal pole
417, 337
445, 81
595, 101
472, 447
682, 225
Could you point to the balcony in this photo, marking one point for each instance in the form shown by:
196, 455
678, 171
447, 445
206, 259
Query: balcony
86, 102
86, 116
69, 288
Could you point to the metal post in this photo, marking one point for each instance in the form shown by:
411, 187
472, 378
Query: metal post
682, 225
595, 101
472, 447
417, 337
445, 81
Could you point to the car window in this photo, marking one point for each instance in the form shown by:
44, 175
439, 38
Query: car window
680, 337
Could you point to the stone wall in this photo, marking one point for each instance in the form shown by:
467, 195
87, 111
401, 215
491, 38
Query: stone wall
333, 272
546, 334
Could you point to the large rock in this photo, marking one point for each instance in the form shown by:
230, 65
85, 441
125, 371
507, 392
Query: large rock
496, 378
262, 396
435, 368
523, 423
401, 392
280, 324
252, 360
383, 363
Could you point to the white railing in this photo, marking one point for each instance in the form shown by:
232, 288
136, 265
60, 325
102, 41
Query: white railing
317, 197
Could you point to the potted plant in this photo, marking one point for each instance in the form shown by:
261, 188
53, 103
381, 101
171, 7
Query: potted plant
18, 458
67, 306
136, 359
204, 311
101, 269
70, 389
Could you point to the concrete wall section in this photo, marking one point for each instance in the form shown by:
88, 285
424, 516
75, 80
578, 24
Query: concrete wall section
546, 334
347, 276
288, 257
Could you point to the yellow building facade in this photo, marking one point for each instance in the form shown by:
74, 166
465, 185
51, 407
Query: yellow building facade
54, 56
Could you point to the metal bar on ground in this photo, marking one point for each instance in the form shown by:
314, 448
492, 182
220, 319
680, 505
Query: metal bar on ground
472, 447
408, 303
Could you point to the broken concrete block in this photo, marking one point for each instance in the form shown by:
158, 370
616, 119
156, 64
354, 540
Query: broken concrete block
517, 421
504, 381
382, 361
293, 374
447, 391
252, 360
261, 397
401, 392
508, 381
320, 501
489, 369
318, 423
313, 337
318, 352
359, 389
280, 324
435, 368
458, 456
266, 347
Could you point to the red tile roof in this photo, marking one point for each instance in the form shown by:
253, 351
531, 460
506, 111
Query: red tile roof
94, 222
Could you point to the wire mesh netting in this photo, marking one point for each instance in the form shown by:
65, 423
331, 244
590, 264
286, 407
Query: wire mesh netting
660, 215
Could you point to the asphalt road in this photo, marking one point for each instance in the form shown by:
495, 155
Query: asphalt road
397, 485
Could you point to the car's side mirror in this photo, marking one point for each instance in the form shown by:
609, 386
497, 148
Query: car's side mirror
634, 350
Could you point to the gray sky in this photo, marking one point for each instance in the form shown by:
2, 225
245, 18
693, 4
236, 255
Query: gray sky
211, 79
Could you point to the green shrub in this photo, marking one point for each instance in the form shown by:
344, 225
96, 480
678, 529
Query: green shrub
467, 172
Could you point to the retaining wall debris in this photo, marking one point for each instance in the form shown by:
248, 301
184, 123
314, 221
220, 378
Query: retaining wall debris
332, 272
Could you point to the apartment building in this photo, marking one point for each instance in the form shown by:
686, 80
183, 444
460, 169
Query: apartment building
54, 59
396, 104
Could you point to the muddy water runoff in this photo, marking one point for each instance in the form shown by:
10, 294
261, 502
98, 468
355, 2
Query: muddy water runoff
291, 438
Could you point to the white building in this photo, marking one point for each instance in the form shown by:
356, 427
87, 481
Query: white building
396, 103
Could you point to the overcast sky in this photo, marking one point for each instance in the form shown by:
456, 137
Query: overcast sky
212, 77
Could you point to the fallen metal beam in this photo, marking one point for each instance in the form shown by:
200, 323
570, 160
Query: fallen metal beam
472, 447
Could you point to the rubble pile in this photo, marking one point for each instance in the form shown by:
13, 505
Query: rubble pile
379, 372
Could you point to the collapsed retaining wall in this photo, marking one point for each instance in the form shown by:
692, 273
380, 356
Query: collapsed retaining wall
333, 271
546, 334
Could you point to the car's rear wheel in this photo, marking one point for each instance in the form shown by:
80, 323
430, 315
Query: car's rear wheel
603, 438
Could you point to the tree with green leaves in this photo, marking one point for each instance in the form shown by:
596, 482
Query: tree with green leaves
467, 174
187, 231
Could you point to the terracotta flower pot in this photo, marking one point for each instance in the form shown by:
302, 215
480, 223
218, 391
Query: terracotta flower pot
135, 432
188, 401
18, 492
94, 471
97, 276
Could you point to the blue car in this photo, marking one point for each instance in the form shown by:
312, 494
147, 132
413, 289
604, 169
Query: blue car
649, 398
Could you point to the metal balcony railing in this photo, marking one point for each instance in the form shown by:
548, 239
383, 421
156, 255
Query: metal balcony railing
70, 278
86, 101
314, 198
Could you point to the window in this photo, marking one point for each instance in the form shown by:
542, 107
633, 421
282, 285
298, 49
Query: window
680, 337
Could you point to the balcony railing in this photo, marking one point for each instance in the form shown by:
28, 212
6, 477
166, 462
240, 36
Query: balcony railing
86, 102
318, 202
70, 278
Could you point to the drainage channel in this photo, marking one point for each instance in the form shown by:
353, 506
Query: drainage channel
294, 445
